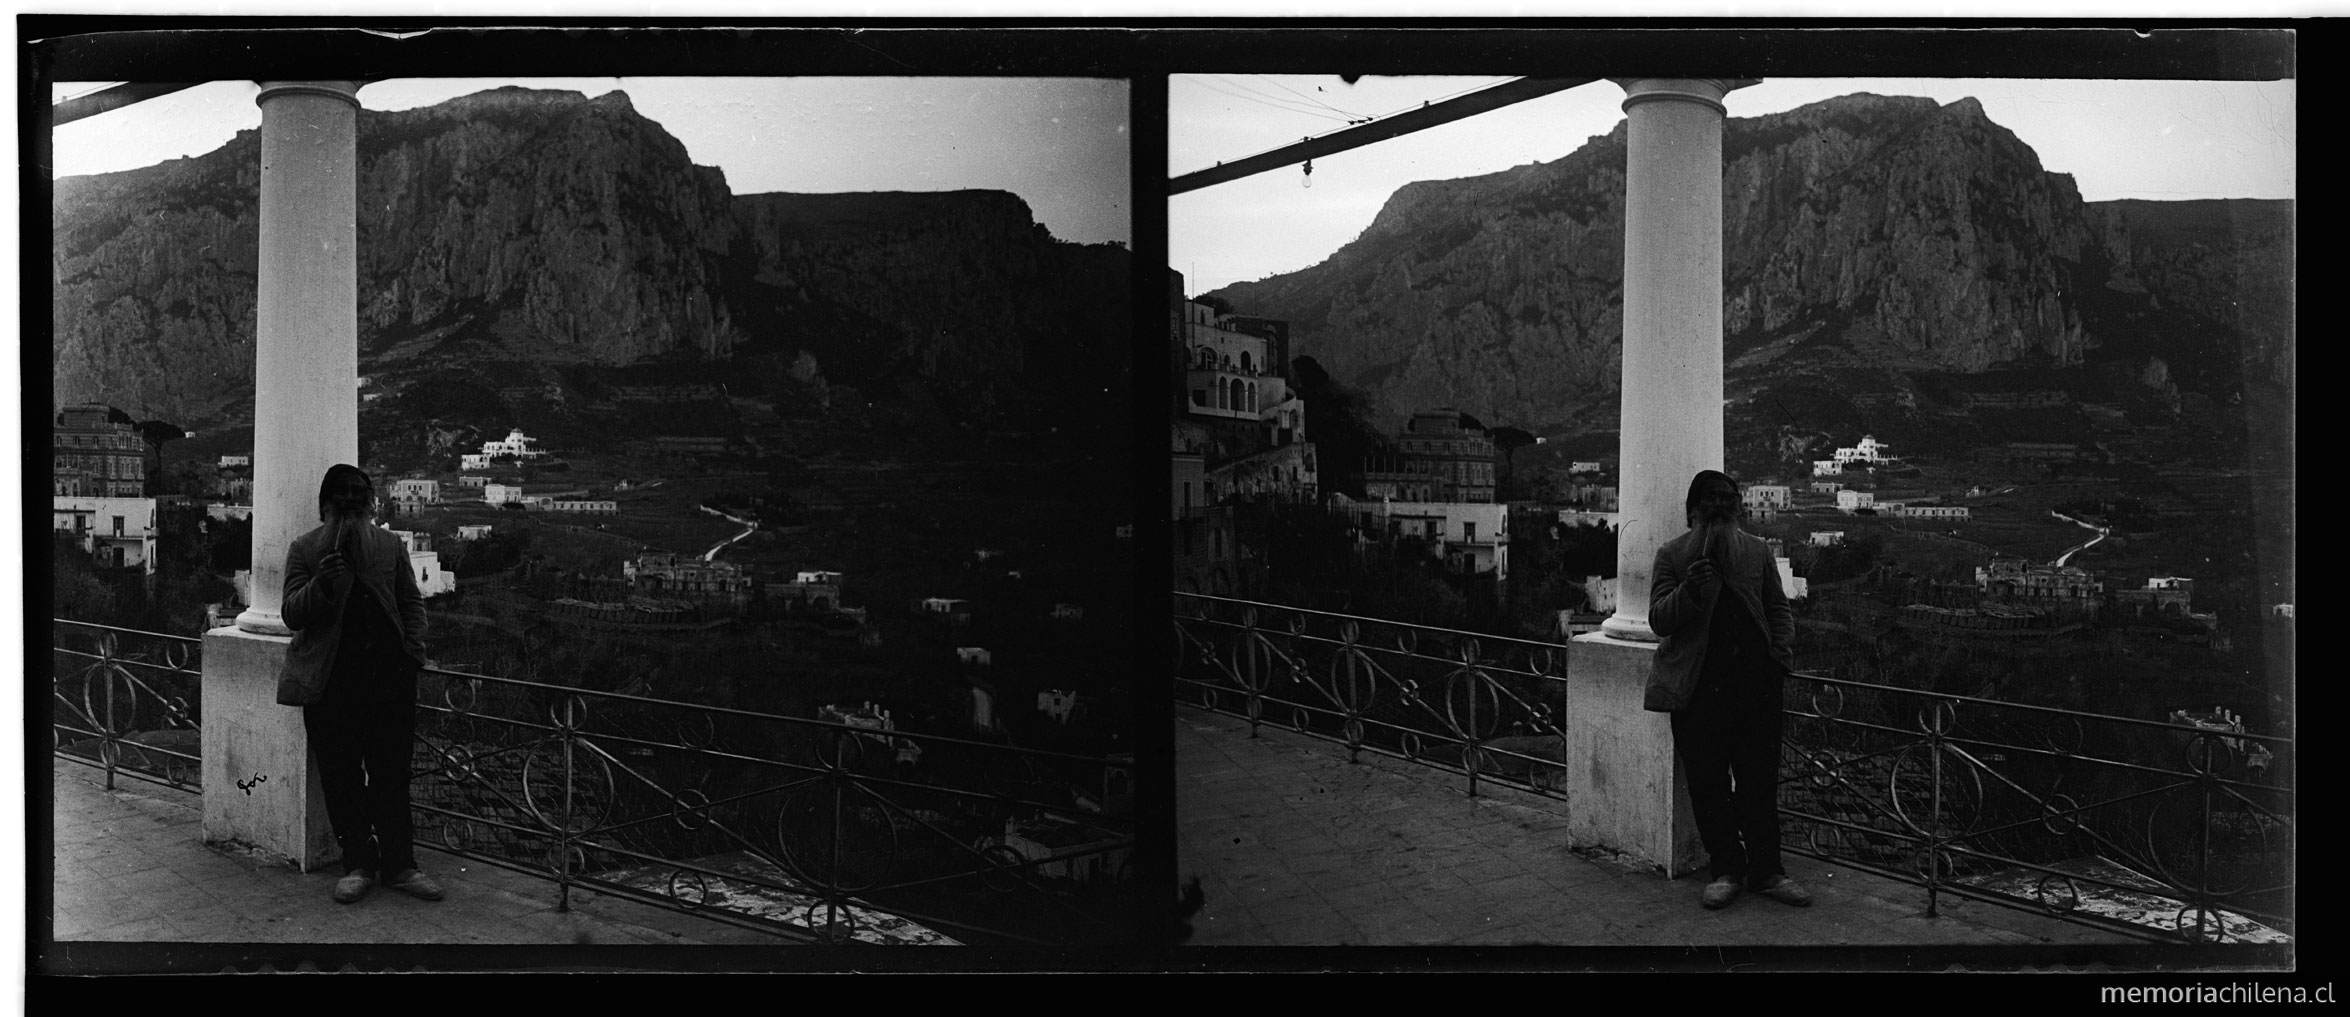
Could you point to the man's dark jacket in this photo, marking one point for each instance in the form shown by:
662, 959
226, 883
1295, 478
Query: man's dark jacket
314, 607
1683, 615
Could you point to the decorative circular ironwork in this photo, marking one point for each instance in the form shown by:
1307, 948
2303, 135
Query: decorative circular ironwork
1296, 624
1960, 803
175, 655
1354, 679
460, 759
834, 921
680, 879
1209, 698
1255, 710
110, 751
590, 785
100, 691
568, 714
1540, 661
1938, 717
1354, 731
1469, 651
834, 842
2186, 846
558, 854
696, 731
1482, 722
837, 751
2195, 925
1827, 701
1411, 745
2207, 754
2064, 817
2044, 892
1001, 860
2062, 736
690, 809
472, 687
1933, 865
1298, 719
178, 712
1407, 641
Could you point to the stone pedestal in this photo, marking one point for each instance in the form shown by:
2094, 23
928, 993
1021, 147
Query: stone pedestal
248, 736
1625, 791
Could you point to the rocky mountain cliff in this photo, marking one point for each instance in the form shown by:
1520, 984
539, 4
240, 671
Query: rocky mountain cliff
542, 227
1867, 239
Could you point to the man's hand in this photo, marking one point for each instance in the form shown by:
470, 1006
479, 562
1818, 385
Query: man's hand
332, 568
1703, 576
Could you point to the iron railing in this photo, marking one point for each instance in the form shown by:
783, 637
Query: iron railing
1488, 708
808, 830
126, 702
2153, 829
2156, 830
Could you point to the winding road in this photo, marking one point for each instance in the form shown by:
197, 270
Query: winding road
2102, 533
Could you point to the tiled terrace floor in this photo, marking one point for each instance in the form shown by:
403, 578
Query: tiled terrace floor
1295, 846
131, 867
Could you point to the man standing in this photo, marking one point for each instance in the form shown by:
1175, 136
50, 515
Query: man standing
358, 621
1719, 673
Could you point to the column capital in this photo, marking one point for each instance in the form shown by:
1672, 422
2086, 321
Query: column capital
348, 91
1703, 91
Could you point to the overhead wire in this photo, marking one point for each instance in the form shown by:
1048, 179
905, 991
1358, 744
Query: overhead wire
1268, 101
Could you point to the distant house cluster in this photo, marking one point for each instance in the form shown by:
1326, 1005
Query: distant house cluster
1870, 452
516, 445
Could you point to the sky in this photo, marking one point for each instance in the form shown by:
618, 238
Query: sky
2160, 140
1060, 143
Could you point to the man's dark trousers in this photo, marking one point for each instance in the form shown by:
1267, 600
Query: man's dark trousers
1730, 731
363, 759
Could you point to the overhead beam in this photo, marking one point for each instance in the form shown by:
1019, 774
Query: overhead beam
114, 98
1431, 115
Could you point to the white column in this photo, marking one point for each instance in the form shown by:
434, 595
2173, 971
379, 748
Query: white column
1672, 390
261, 787
306, 347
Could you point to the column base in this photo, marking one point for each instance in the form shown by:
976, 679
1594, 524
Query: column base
1625, 790
261, 787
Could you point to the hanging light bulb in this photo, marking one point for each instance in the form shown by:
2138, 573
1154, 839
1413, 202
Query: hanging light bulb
1309, 173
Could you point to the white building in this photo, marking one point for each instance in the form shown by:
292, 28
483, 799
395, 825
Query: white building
473, 531
1057, 704
1958, 512
516, 444
472, 480
586, 507
1582, 467
1771, 497
945, 605
1793, 586
500, 494
225, 513
227, 462
1068, 612
818, 577
976, 656
473, 461
117, 533
416, 491
1870, 450
425, 562
1852, 501
1826, 467
1827, 538
1470, 536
